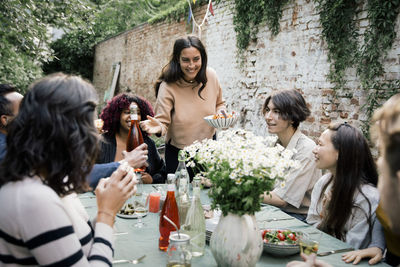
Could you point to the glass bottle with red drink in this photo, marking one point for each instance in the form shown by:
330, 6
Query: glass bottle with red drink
169, 209
135, 137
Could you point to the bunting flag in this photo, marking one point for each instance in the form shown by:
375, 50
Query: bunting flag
211, 9
190, 15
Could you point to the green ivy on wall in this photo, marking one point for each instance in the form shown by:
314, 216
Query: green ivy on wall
248, 17
346, 46
339, 31
378, 39
342, 35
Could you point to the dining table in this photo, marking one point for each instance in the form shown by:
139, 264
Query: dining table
131, 242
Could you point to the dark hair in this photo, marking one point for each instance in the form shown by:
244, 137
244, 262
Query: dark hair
291, 105
53, 135
111, 114
172, 72
5, 104
355, 167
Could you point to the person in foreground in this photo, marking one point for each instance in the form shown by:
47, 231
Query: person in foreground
186, 92
51, 148
116, 117
283, 112
386, 129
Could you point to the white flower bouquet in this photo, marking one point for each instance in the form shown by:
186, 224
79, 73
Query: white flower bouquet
241, 167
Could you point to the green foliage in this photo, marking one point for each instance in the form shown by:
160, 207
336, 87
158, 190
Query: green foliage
339, 30
25, 38
248, 17
74, 52
176, 11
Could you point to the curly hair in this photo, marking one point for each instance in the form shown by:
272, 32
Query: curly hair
53, 135
111, 114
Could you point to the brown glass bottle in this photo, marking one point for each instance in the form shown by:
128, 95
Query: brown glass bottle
169, 209
135, 137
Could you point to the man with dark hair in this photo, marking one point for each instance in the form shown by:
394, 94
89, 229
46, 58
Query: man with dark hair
9, 106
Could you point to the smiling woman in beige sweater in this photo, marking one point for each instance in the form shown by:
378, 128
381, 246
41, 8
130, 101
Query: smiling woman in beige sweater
186, 92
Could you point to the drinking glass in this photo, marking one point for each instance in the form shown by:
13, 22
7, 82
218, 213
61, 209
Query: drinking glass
307, 244
140, 204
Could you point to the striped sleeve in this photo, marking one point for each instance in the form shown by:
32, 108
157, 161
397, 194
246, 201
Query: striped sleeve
48, 233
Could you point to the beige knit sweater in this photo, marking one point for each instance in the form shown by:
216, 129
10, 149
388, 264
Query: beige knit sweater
181, 110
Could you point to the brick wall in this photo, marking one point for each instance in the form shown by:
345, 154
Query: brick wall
295, 58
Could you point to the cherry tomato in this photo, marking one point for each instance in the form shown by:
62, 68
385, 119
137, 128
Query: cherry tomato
279, 231
263, 233
281, 236
292, 236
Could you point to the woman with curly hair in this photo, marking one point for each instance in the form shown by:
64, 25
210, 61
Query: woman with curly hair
345, 199
116, 117
51, 148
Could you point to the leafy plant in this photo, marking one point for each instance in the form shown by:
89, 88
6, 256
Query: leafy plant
74, 52
241, 167
25, 38
339, 30
248, 17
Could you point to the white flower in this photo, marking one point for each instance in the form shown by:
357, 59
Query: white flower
242, 154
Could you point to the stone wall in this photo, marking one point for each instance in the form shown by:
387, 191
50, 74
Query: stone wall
295, 59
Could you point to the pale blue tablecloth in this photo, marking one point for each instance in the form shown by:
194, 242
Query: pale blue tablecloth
145, 240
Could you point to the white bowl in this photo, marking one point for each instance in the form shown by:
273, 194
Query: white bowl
221, 122
281, 250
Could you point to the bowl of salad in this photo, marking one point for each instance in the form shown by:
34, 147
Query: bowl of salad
281, 242
225, 120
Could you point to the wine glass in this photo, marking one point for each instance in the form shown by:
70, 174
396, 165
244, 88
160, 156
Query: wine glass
140, 204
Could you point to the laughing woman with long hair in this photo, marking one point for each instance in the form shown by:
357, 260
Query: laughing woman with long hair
52, 145
344, 201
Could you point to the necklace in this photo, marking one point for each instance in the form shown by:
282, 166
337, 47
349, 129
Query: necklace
191, 81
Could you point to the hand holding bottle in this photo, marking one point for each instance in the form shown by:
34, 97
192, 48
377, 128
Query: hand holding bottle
137, 158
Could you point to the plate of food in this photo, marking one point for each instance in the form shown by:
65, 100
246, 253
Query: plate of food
281, 242
224, 120
128, 211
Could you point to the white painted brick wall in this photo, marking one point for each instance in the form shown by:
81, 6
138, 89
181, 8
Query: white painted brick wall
294, 59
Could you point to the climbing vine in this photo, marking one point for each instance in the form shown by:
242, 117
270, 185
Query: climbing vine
347, 47
378, 39
341, 34
248, 17
339, 31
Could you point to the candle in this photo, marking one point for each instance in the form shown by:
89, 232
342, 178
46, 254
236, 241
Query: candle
154, 202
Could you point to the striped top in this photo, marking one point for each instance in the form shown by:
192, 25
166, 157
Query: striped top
37, 227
